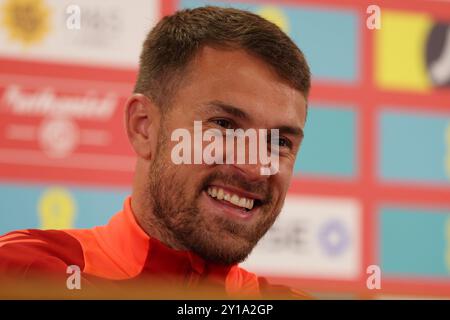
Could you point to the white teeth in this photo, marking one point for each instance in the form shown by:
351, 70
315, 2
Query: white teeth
234, 199
220, 194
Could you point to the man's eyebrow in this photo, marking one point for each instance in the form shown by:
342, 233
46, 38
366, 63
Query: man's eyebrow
235, 111
228, 108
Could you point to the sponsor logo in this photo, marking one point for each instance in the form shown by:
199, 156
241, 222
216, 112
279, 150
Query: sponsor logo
333, 237
56, 208
46, 102
313, 237
26, 21
101, 26
412, 52
438, 55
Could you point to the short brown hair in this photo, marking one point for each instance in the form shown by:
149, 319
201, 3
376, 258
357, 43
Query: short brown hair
174, 41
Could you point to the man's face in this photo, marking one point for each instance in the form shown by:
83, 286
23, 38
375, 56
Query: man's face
225, 90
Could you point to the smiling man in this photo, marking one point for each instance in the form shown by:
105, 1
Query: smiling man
190, 224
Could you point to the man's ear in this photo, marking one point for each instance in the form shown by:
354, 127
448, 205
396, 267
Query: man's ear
142, 119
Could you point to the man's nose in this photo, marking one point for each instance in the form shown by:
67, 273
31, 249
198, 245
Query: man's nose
247, 160
251, 171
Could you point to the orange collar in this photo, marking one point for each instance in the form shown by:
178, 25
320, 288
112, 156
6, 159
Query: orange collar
121, 250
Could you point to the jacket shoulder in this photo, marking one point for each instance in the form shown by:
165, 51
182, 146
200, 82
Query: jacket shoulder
25, 251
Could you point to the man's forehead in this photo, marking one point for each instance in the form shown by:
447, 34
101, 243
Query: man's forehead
211, 61
237, 78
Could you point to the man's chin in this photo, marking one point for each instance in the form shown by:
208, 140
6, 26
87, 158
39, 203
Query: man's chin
222, 248
224, 240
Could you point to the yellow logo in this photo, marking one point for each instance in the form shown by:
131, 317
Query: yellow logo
400, 47
56, 209
27, 21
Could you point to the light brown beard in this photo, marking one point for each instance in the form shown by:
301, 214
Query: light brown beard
177, 215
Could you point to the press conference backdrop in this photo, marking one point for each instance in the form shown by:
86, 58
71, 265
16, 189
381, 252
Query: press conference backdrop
372, 181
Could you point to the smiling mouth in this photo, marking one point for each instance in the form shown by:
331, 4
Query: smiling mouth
246, 204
